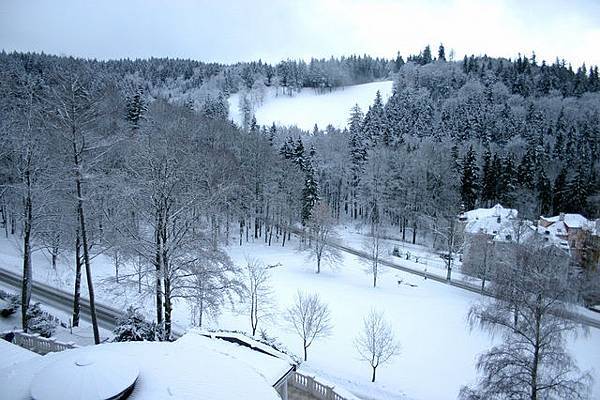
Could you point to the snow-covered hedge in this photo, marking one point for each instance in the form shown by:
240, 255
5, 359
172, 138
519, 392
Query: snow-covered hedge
9, 304
40, 322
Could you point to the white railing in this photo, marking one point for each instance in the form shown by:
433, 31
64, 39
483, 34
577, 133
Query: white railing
308, 384
37, 343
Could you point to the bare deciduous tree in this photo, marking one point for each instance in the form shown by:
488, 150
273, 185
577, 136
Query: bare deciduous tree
310, 318
449, 230
373, 245
530, 311
322, 231
258, 293
478, 260
74, 109
376, 343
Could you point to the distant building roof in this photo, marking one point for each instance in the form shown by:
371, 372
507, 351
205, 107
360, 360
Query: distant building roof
497, 221
570, 220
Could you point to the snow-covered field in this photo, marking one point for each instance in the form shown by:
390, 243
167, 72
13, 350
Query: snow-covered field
438, 350
307, 108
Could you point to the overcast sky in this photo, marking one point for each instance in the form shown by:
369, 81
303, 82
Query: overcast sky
241, 30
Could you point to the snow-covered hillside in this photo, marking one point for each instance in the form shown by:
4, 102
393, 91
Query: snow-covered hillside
307, 108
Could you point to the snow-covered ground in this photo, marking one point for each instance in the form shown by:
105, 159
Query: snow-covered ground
307, 108
429, 319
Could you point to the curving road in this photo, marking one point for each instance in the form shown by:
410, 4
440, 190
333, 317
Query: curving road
62, 300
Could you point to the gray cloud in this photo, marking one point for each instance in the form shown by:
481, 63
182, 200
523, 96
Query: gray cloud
272, 30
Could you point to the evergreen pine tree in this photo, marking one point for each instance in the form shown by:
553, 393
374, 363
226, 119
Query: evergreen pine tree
426, 56
470, 176
559, 145
375, 127
560, 192
310, 191
398, 62
441, 53
358, 155
527, 169
488, 180
298, 155
508, 181
578, 190
136, 109
544, 194
272, 134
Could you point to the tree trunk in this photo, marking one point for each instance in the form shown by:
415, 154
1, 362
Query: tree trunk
414, 233
158, 270
27, 273
227, 217
139, 274
373, 376
403, 229
168, 308
77, 291
305, 352
116, 266
375, 275
536, 351
253, 314
86, 255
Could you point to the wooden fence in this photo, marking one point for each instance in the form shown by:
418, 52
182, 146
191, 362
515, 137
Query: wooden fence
315, 389
37, 343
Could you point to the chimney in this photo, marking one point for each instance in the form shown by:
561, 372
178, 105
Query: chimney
561, 217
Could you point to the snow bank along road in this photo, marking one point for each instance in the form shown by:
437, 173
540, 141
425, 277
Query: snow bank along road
592, 322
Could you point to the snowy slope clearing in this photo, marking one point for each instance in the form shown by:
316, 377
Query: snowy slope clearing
307, 108
438, 350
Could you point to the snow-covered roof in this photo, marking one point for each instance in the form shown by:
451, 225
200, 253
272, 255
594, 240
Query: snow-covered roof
193, 367
267, 362
496, 221
91, 375
12, 354
571, 220
248, 342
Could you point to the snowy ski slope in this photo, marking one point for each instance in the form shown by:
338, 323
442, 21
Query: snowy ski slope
307, 108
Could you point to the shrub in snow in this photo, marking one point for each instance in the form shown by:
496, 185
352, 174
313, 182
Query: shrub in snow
40, 322
133, 327
9, 304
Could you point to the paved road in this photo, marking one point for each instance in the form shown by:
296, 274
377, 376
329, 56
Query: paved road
62, 300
